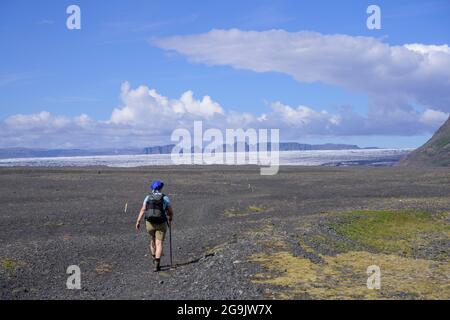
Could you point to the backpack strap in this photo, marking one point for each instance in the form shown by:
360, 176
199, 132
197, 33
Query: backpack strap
147, 199
163, 195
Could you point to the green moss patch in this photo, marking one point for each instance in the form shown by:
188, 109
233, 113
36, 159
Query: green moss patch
344, 276
334, 254
398, 232
10, 265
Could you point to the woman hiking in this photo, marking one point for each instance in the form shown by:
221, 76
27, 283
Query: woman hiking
155, 206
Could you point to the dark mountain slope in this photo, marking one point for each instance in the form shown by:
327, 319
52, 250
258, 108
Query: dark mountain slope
434, 153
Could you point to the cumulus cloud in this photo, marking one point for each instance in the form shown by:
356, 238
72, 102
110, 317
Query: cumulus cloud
146, 117
144, 106
303, 121
392, 76
408, 89
424, 49
45, 120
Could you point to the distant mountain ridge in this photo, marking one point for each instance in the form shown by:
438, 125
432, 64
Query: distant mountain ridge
283, 146
434, 153
163, 149
50, 153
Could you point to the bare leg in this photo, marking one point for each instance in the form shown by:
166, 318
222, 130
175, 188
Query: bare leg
159, 249
152, 246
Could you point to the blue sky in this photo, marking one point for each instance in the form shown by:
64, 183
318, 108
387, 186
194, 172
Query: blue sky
46, 67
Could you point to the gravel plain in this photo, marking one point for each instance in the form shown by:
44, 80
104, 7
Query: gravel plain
51, 218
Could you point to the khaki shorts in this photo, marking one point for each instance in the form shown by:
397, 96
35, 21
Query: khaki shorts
156, 230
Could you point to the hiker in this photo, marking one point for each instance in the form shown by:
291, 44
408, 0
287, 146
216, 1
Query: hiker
155, 206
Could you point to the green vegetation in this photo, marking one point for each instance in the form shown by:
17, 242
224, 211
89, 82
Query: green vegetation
443, 143
398, 232
335, 261
11, 266
344, 276
255, 209
436, 152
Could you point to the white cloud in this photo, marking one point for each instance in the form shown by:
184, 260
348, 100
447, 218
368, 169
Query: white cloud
433, 118
391, 76
425, 49
146, 117
396, 79
303, 121
146, 107
40, 120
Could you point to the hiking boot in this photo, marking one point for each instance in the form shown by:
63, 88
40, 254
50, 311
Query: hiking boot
157, 265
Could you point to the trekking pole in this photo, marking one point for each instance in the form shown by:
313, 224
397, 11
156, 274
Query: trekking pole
170, 243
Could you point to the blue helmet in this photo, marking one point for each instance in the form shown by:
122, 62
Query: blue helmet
157, 185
